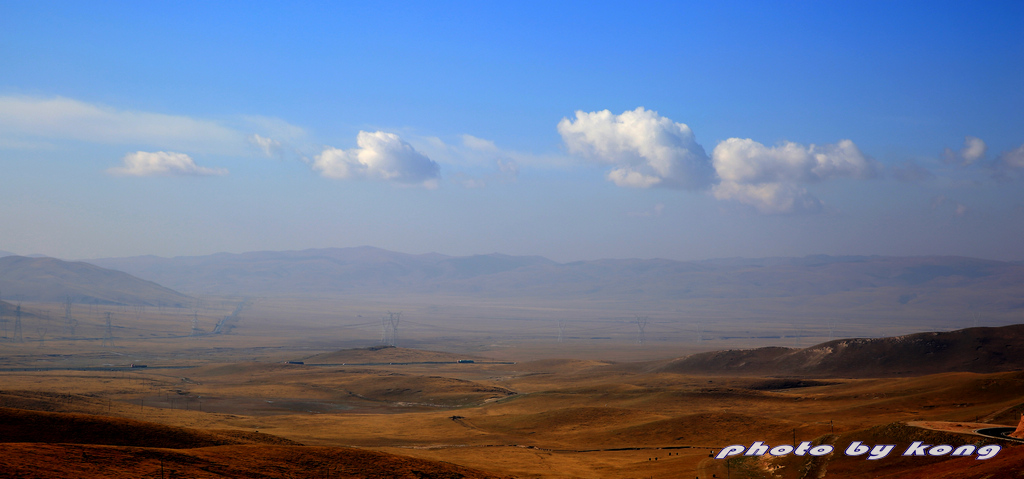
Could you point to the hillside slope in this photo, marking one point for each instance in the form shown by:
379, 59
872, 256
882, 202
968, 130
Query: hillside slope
51, 279
979, 350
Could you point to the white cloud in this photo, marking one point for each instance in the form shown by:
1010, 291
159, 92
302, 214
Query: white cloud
973, 150
1009, 165
769, 178
380, 156
268, 146
67, 119
643, 148
162, 163
1013, 158
508, 168
480, 144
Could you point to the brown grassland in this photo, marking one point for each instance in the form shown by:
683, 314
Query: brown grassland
229, 405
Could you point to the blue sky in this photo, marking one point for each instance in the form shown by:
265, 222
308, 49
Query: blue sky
574, 131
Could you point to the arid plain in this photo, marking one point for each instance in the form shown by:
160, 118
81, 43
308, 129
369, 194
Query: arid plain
500, 404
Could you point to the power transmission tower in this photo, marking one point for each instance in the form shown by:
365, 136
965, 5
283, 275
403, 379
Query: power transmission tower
394, 319
389, 328
17, 325
195, 323
42, 336
69, 323
561, 330
108, 336
641, 324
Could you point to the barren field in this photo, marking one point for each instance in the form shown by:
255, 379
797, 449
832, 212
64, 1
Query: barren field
297, 397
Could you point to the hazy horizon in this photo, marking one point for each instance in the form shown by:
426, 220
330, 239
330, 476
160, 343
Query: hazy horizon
719, 258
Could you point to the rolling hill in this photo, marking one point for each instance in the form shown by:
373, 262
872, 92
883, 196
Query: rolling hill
978, 350
51, 279
48, 444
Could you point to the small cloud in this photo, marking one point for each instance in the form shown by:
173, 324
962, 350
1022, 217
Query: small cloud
162, 163
508, 168
1013, 158
472, 142
380, 156
973, 150
1009, 165
643, 148
960, 210
269, 147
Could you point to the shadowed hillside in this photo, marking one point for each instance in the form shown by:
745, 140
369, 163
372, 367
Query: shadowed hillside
50, 279
18, 425
979, 350
98, 446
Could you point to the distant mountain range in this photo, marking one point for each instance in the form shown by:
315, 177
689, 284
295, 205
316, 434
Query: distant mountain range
875, 285
49, 279
937, 280
978, 350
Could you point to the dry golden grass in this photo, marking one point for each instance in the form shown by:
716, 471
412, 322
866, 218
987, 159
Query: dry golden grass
539, 417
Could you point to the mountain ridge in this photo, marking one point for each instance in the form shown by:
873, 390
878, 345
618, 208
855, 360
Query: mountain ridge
892, 281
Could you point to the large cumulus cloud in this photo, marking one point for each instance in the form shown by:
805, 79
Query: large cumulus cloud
643, 148
771, 178
379, 156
